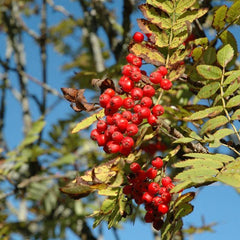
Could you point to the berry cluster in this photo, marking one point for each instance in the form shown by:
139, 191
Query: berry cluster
144, 190
125, 112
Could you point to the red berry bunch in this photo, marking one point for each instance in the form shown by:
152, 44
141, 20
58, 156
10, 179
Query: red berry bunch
154, 195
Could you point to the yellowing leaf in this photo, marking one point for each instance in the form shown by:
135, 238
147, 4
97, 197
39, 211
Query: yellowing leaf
88, 121
183, 5
165, 5
233, 102
236, 115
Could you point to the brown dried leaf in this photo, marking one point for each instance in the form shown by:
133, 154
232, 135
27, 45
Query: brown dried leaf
103, 84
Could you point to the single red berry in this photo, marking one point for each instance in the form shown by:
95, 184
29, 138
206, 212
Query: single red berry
162, 190
109, 120
101, 126
116, 102
165, 181
116, 116
153, 188
130, 57
127, 70
151, 173
155, 77
110, 92
166, 197
138, 37
94, 134
111, 129
148, 91
127, 114
163, 70
127, 143
147, 197
136, 76
113, 147
144, 112
137, 61
157, 200
146, 102
136, 93
127, 85
157, 110
104, 100
163, 208
122, 124
110, 110
136, 119
166, 84
128, 103
101, 140
117, 137
152, 120
135, 167
157, 162
132, 129
137, 108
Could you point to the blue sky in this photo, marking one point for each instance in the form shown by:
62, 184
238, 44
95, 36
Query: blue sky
216, 203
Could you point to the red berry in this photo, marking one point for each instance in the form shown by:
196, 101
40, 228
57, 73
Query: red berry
147, 197
148, 218
163, 208
146, 102
101, 126
136, 119
137, 108
144, 112
166, 197
157, 225
166, 84
117, 137
157, 110
101, 140
111, 129
94, 134
127, 85
116, 102
122, 124
127, 70
104, 100
148, 91
127, 189
135, 167
163, 70
166, 181
110, 92
141, 176
153, 188
136, 93
127, 114
156, 201
137, 61
109, 120
155, 77
116, 116
138, 37
128, 103
127, 143
162, 190
136, 76
157, 162
152, 120
110, 110
151, 173
130, 57
132, 129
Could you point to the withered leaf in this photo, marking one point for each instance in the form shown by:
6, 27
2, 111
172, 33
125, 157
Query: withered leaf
77, 99
103, 84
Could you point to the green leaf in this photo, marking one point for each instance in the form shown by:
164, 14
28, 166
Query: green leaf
208, 90
178, 39
184, 140
108, 205
229, 179
108, 192
185, 198
197, 53
218, 157
209, 72
214, 123
88, 121
219, 17
155, 16
233, 102
225, 55
176, 73
232, 88
233, 12
222, 133
165, 5
183, 210
178, 56
228, 38
181, 186
199, 163
210, 56
236, 115
233, 75
209, 112
65, 159
183, 5
151, 56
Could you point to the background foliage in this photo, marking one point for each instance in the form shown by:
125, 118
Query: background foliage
202, 109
